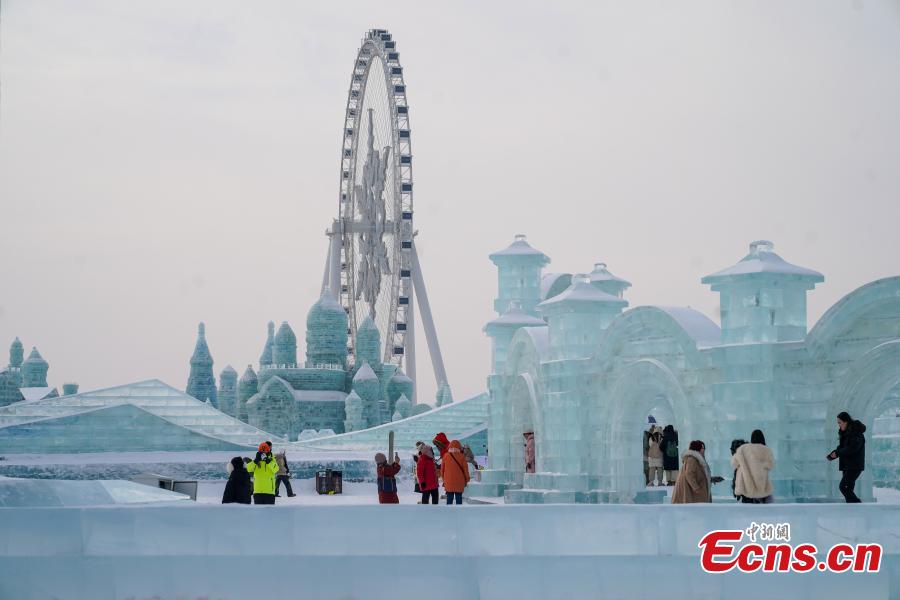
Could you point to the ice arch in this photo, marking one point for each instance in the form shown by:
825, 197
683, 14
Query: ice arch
639, 388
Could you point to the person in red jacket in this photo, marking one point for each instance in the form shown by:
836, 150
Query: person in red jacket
442, 442
426, 474
387, 484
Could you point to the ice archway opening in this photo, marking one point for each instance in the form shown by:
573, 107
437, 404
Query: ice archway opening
645, 387
525, 417
867, 393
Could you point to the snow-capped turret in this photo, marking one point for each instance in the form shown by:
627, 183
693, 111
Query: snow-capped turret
605, 281
368, 342
763, 297
399, 385
366, 384
268, 354
578, 316
16, 354
326, 332
403, 406
353, 412
34, 370
248, 385
519, 274
228, 390
285, 352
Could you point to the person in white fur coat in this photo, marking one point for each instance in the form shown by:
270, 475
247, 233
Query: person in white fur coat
752, 463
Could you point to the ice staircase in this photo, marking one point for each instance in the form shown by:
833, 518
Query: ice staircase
456, 420
153, 396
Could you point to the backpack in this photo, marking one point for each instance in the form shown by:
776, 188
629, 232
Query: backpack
671, 449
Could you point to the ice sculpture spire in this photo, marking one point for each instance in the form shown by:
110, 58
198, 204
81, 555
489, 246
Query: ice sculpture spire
16, 354
353, 411
519, 270
268, 352
228, 390
247, 387
578, 316
763, 297
34, 370
400, 385
201, 381
367, 386
326, 332
403, 406
285, 353
368, 343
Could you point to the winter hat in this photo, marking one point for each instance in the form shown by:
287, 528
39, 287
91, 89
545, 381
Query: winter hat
264, 447
380, 458
845, 417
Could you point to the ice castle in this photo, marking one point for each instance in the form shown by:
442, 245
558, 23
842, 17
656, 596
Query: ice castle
572, 366
322, 395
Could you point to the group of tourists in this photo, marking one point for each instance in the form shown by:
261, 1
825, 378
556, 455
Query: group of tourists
261, 478
752, 462
660, 455
450, 466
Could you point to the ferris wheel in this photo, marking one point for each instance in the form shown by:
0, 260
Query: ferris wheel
372, 265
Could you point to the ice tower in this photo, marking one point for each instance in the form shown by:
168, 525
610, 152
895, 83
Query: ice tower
285, 352
519, 275
578, 316
368, 343
34, 370
326, 333
16, 354
228, 391
247, 387
763, 297
201, 381
268, 354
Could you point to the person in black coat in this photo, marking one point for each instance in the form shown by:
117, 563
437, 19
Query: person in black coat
851, 454
671, 459
239, 488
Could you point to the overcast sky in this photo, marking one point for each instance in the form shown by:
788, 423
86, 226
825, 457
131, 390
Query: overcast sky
167, 162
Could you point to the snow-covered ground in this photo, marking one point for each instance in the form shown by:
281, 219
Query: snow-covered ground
210, 492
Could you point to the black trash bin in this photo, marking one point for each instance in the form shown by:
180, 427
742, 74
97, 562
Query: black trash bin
329, 482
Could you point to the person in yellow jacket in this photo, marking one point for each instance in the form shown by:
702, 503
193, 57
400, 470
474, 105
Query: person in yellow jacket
263, 470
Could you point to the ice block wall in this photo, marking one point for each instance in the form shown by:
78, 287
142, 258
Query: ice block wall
380, 552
